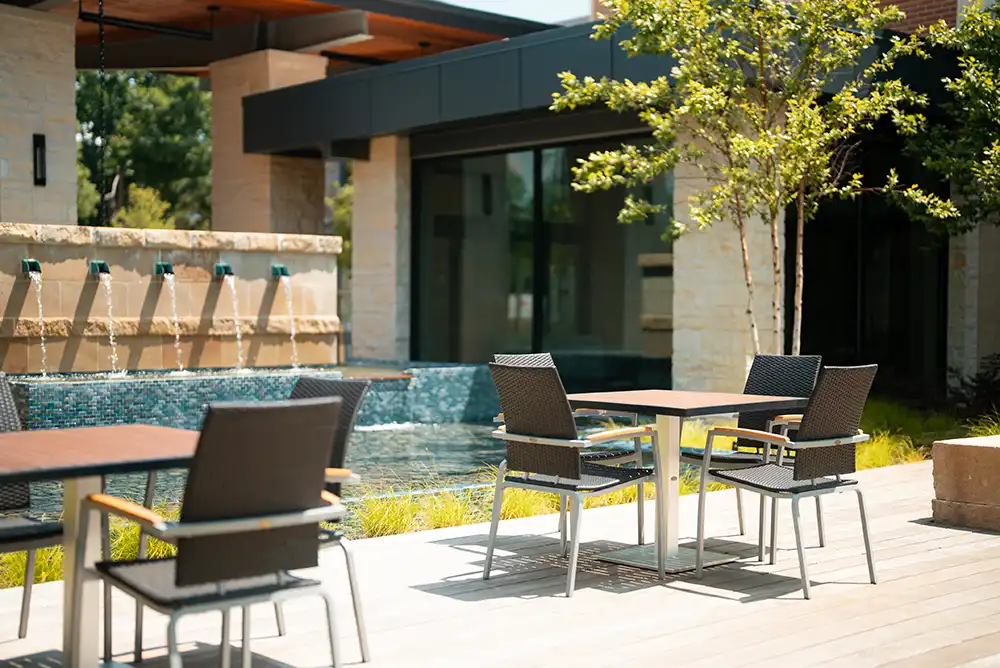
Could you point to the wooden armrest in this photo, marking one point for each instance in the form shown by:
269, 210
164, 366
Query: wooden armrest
749, 434
123, 508
341, 475
787, 419
620, 434
330, 498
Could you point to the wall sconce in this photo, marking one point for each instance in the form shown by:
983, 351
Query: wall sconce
38, 156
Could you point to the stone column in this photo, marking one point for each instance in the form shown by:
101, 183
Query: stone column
380, 273
37, 96
712, 345
973, 309
261, 193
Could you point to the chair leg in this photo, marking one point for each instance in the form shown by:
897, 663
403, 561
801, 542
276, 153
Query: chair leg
774, 531
29, 581
700, 546
803, 568
495, 521
819, 521
868, 542
359, 618
562, 525
246, 656
225, 647
279, 618
739, 511
761, 528
334, 653
641, 511
143, 551
576, 513
172, 653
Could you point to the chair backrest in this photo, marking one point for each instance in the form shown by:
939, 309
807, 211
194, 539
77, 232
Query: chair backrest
252, 460
15, 495
526, 359
534, 403
352, 393
779, 376
834, 411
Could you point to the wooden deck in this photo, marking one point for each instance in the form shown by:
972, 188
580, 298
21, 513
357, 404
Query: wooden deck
937, 603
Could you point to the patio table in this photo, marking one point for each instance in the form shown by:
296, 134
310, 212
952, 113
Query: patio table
79, 457
671, 407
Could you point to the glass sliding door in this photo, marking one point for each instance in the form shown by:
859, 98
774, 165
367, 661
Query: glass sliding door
474, 257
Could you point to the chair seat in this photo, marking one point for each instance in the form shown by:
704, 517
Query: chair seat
727, 458
27, 533
774, 478
604, 455
155, 580
594, 477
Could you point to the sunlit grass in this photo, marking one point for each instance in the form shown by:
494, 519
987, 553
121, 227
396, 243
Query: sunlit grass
986, 425
452, 509
386, 515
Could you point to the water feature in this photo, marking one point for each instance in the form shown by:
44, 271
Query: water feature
104, 276
36, 282
286, 285
170, 281
225, 272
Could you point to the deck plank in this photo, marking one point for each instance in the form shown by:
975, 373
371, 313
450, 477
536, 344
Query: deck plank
427, 604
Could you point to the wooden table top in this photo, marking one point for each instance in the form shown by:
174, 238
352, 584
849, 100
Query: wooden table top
80, 452
679, 403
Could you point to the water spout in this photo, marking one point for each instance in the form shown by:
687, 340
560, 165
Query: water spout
104, 276
34, 271
167, 272
230, 281
285, 278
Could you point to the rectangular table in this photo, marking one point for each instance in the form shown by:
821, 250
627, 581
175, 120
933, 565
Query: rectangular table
79, 457
670, 408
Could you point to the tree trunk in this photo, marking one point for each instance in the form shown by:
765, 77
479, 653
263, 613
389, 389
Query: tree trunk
778, 298
800, 229
748, 277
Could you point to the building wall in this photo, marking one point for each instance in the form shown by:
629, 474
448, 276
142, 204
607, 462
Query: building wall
925, 12
261, 193
380, 274
37, 96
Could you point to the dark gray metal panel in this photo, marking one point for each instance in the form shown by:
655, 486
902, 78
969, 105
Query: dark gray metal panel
639, 68
481, 86
542, 63
408, 99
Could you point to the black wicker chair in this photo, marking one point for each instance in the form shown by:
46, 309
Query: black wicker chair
600, 456
543, 448
19, 533
246, 497
825, 446
775, 375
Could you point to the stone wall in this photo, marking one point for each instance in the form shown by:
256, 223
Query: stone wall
37, 96
76, 313
973, 308
711, 339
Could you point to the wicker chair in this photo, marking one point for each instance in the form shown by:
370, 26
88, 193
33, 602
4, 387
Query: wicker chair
775, 375
825, 446
543, 446
19, 533
239, 482
600, 456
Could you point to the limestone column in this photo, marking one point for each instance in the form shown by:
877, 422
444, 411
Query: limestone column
380, 273
261, 193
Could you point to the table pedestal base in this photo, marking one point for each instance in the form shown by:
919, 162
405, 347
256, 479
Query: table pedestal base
644, 556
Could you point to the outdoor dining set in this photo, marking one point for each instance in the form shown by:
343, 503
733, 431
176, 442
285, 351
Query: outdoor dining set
265, 482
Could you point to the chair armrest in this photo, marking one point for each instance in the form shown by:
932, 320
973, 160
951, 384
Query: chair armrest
749, 434
112, 505
620, 434
330, 497
786, 420
582, 413
501, 433
342, 475
860, 437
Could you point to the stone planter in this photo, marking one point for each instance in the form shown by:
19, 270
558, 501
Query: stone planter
967, 482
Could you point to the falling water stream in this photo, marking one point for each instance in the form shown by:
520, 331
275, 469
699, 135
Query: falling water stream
105, 279
36, 281
286, 284
230, 281
172, 290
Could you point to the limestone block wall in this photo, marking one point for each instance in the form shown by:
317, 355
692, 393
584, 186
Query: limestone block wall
711, 339
973, 305
76, 315
37, 96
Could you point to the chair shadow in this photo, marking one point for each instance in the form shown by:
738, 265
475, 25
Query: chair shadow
193, 655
